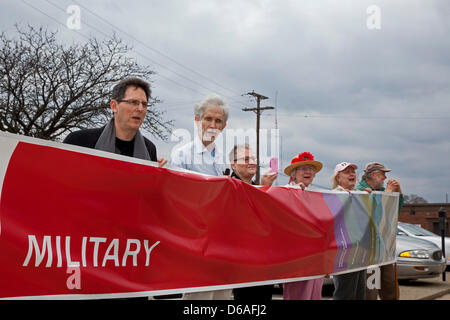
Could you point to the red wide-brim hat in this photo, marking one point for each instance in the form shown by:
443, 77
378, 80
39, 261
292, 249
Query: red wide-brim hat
303, 159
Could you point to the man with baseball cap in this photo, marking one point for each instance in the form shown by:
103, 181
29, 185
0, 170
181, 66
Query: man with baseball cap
373, 179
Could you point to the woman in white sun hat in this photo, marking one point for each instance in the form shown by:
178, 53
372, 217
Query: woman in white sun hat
348, 286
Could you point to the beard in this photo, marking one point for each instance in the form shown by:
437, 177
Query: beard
379, 184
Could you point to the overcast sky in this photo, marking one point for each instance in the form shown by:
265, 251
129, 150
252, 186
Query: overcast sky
355, 81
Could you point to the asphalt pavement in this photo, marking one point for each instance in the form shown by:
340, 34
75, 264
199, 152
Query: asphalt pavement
426, 289
421, 289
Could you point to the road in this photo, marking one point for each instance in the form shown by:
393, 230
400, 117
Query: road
444, 297
426, 289
422, 289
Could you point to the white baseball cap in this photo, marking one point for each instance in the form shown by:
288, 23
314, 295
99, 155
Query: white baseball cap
342, 166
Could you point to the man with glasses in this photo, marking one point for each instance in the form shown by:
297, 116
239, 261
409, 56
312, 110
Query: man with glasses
129, 103
373, 179
243, 164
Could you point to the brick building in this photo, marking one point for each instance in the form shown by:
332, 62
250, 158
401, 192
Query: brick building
425, 214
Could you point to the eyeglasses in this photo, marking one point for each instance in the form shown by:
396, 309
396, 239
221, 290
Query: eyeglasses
246, 160
136, 103
307, 168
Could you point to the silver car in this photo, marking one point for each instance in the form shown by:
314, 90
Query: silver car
417, 231
417, 258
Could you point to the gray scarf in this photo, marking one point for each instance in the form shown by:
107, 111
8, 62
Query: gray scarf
107, 142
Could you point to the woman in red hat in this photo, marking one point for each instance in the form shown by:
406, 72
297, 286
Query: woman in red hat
302, 171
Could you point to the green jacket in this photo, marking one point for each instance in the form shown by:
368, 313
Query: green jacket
363, 184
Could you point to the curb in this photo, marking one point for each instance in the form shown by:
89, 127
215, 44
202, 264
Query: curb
436, 295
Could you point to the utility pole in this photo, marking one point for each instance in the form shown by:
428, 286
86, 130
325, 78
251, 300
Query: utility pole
258, 110
443, 226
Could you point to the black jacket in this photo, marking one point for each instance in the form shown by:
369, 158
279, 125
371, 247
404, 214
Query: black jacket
234, 175
88, 138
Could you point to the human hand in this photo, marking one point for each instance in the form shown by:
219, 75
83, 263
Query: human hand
268, 178
162, 162
393, 186
367, 190
301, 185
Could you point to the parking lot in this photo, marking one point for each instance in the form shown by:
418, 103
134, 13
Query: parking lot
426, 289
422, 289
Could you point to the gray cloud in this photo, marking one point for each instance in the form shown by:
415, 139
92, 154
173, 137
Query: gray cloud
368, 94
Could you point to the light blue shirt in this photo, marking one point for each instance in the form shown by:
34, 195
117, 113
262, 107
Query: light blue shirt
195, 157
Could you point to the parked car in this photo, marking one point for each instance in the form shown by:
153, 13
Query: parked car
418, 258
416, 231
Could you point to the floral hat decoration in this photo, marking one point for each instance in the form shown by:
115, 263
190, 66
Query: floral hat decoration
303, 159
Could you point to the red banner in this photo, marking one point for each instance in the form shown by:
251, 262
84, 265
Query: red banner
79, 225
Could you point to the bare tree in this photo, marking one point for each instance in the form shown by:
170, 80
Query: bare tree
414, 199
48, 89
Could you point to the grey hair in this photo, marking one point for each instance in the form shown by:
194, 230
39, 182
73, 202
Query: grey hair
293, 174
334, 182
233, 153
212, 100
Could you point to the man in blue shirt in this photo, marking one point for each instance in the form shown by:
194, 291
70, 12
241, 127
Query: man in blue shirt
202, 154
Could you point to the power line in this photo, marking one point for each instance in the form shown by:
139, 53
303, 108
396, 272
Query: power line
83, 35
144, 56
155, 50
325, 116
152, 60
343, 116
178, 104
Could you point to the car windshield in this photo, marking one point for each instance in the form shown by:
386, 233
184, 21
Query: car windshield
417, 230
